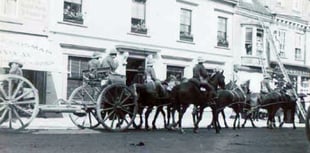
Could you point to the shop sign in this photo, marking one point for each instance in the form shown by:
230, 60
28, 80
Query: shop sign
32, 51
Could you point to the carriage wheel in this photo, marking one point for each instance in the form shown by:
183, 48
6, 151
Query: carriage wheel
117, 107
308, 124
85, 98
19, 102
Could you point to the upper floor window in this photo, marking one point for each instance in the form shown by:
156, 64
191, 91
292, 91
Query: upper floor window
186, 25
138, 16
9, 8
73, 11
259, 42
222, 32
298, 46
281, 40
249, 41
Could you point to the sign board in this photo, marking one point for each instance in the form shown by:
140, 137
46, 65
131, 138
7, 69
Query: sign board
32, 51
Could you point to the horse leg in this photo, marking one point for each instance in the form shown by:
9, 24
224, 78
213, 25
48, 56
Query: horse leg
155, 117
215, 120
147, 113
181, 113
245, 119
199, 117
164, 115
194, 116
224, 118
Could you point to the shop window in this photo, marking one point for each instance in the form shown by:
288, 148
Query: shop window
248, 41
8, 8
222, 32
138, 17
73, 11
186, 25
177, 71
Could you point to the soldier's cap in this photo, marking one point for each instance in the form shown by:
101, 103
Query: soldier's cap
96, 55
200, 59
20, 64
113, 52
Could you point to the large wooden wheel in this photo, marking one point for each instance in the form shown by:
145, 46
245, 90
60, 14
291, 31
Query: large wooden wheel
19, 102
84, 97
308, 124
117, 107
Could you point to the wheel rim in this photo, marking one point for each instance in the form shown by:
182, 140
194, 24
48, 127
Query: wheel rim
116, 107
19, 102
85, 98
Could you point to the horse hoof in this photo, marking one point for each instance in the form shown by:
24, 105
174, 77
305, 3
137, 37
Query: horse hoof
209, 127
154, 128
195, 130
182, 131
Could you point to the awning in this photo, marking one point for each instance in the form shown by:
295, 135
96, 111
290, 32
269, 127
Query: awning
32, 50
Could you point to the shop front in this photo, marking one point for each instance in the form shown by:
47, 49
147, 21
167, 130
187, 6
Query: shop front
33, 51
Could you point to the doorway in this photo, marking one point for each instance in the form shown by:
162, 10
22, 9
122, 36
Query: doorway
133, 64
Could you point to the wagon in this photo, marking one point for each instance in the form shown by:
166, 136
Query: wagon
101, 99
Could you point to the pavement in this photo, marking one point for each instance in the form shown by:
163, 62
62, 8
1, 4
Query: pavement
65, 123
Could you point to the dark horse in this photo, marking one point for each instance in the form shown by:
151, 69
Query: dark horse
272, 102
146, 99
187, 93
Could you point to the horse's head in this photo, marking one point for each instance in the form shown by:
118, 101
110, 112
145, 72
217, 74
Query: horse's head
218, 79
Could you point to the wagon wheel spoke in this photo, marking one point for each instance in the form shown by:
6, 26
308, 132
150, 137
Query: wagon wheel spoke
25, 102
23, 95
109, 115
119, 121
127, 111
107, 101
3, 114
17, 89
112, 97
21, 109
89, 118
126, 120
92, 99
130, 104
125, 99
2, 107
2, 92
10, 118
107, 109
114, 116
10, 88
18, 117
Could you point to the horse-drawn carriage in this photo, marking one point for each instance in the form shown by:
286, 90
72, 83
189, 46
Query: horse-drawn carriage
103, 99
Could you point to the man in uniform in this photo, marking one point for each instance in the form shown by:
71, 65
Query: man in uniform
265, 84
110, 61
199, 71
94, 64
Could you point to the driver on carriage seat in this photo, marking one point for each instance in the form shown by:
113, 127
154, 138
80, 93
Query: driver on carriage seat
94, 64
265, 84
110, 61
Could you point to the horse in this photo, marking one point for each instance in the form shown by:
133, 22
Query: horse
148, 100
232, 96
189, 92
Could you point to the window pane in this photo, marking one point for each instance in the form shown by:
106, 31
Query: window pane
9, 8
138, 10
248, 40
73, 11
177, 71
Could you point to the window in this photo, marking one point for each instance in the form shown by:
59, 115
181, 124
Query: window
75, 67
281, 39
222, 32
177, 71
138, 17
8, 8
248, 41
73, 11
186, 25
298, 51
259, 42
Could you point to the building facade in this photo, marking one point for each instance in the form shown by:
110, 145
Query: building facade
57, 38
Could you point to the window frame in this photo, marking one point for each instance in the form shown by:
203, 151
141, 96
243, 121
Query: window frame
174, 70
4, 3
77, 19
80, 60
138, 25
249, 42
224, 42
186, 36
